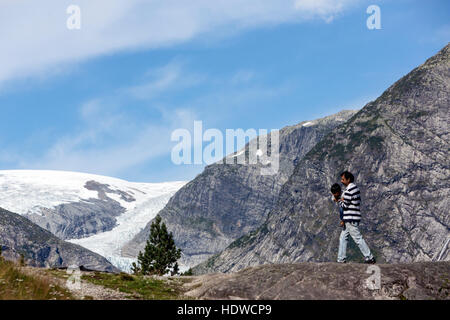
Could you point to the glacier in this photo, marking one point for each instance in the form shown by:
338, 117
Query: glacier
29, 191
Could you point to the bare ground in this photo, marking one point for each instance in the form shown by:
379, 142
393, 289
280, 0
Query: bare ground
81, 291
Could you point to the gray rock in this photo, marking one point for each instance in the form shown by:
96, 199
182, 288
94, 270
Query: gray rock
326, 281
76, 220
40, 248
227, 201
397, 146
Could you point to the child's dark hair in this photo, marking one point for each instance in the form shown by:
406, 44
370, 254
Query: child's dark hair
335, 188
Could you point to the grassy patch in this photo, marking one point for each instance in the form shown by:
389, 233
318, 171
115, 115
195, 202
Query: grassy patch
200, 223
243, 241
249, 238
338, 151
418, 114
375, 143
339, 144
16, 285
140, 287
211, 261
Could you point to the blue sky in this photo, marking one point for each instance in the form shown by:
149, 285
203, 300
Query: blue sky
104, 99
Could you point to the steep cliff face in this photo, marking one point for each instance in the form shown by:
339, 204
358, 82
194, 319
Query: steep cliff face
227, 201
19, 236
398, 148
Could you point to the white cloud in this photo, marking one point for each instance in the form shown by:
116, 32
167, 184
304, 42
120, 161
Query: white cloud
36, 41
110, 139
110, 143
324, 9
170, 76
242, 76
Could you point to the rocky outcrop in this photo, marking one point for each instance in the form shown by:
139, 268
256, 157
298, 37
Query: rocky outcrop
40, 248
76, 220
327, 281
227, 201
397, 146
80, 219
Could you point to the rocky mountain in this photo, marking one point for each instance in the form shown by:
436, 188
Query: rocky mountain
40, 248
326, 281
227, 201
97, 212
398, 148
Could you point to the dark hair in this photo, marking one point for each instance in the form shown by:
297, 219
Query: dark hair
348, 175
335, 188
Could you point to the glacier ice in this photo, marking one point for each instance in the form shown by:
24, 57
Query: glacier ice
27, 191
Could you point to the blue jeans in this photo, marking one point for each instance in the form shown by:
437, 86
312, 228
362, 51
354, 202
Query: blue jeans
351, 229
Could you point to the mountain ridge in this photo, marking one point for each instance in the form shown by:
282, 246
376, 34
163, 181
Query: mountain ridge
227, 200
398, 148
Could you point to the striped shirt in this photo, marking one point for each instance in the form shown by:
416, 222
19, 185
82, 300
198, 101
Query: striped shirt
351, 203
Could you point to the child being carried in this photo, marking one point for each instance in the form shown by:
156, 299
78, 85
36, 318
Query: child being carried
337, 193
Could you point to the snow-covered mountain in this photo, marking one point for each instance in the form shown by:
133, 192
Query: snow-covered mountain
97, 212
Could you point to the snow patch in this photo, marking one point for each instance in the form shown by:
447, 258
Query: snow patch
239, 153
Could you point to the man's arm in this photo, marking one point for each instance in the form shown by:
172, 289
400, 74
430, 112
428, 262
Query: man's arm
351, 197
346, 200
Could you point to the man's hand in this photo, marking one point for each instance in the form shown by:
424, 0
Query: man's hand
342, 224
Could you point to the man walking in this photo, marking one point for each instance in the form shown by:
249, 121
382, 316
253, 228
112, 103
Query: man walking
351, 203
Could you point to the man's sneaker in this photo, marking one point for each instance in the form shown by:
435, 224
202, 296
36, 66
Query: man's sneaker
370, 261
343, 261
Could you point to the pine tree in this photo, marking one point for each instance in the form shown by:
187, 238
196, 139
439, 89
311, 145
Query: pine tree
160, 254
175, 269
188, 273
